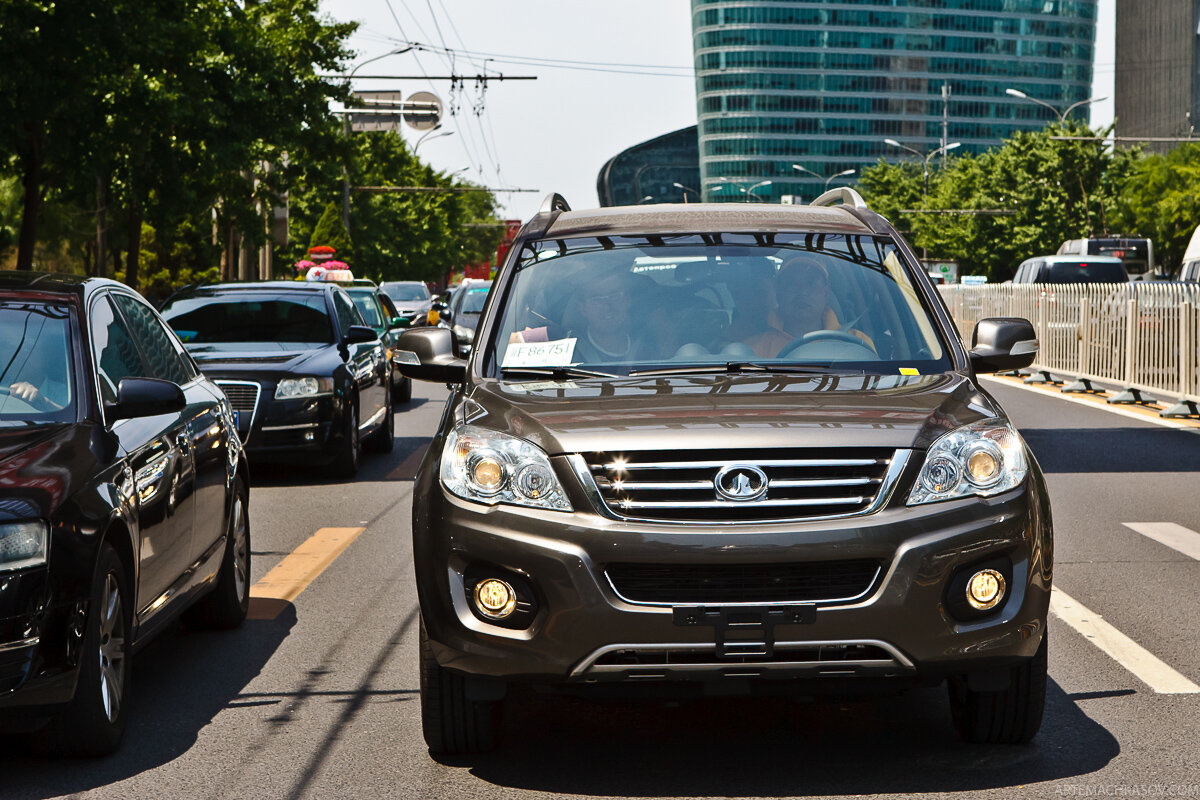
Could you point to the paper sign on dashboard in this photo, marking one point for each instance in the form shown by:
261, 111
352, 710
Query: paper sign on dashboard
556, 353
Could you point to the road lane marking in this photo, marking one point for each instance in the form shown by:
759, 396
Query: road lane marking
1098, 402
287, 579
1174, 536
1144, 665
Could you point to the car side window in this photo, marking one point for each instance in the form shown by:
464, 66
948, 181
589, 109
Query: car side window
113, 346
165, 360
347, 314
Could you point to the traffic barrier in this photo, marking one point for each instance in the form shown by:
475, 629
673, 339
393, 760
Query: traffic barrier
1143, 337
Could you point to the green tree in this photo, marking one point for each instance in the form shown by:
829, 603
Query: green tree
330, 232
1160, 199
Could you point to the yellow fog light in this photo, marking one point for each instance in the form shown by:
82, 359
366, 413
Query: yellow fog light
495, 598
983, 467
985, 589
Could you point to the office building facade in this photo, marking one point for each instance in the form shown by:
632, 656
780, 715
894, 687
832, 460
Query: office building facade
653, 172
1156, 88
822, 83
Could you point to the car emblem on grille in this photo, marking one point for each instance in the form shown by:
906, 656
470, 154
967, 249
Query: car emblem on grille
740, 482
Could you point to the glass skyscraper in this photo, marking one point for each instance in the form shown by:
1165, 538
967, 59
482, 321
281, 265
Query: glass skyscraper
822, 83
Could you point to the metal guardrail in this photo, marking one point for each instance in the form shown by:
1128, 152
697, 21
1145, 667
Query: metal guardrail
1143, 337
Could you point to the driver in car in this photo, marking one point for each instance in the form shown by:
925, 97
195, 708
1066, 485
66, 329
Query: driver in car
804, 308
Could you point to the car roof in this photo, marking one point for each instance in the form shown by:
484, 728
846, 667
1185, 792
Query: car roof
274, 286
51, 282
668, 218
1079, 257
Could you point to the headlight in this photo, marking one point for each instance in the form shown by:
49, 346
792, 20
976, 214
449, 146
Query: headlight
465, 335
23, 544
289, 388
984, 458
490, 467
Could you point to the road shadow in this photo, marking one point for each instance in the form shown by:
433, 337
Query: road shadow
1114, 449
776, 748
400, 464
180, 682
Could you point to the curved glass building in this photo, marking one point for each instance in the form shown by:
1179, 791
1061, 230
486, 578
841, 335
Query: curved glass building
822, 83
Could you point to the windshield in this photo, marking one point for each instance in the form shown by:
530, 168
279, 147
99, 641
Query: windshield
250, 317
472, 298
367, 306
36, 379
406, 291
1086, 272
618, 304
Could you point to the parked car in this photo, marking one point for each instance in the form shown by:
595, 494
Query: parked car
462, 315
123, 502
726, 449
1135, 252
1189, 271
308, 381
381, 315
412, 299
1071, 269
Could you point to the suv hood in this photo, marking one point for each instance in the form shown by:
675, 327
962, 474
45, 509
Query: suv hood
701, 412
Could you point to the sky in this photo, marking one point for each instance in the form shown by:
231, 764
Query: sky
554, 134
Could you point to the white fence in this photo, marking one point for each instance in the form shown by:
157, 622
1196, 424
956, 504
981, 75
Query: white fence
1140, 336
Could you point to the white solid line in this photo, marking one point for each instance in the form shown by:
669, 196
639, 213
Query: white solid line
1111, 409
1173, 536
1145, 666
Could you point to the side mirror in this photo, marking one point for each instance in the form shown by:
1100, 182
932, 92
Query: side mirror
145, 397
427, 354
1002, 343
399, 322
361, 334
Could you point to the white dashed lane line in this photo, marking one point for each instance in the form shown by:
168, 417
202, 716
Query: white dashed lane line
1145, 666
1174, 536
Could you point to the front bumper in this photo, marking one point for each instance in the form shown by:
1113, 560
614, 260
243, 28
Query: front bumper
305, 430
584, 632
39, 643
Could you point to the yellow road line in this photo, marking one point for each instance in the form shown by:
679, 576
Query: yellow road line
297, 570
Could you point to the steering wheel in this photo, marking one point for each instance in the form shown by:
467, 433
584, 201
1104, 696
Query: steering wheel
836, 336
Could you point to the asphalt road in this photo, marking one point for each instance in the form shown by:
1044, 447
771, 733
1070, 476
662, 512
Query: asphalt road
321, 701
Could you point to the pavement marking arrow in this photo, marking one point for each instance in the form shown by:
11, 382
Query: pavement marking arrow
1145, 666
1173, 536
297, 570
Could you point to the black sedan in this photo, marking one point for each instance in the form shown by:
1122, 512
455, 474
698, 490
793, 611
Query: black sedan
123, 492
308, 380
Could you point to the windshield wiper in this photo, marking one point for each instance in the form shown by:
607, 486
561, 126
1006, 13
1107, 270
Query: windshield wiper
735, 367
557, 373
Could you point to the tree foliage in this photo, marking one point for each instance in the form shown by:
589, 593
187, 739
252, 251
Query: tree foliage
400, 235
1021, 199
1160, 199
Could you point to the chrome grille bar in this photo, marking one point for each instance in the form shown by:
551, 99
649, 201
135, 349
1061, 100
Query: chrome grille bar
730, 504
621, 466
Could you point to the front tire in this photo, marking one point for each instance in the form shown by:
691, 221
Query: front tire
383, 440
452, 722
94, 721
402, 391
225, 607
1009, 716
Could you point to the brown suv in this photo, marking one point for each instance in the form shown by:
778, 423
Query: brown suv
726, 447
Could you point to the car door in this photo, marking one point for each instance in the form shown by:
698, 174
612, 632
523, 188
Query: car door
205, 439
365, 360
157, 450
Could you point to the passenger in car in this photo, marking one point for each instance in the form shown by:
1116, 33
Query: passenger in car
606, 334
754, 306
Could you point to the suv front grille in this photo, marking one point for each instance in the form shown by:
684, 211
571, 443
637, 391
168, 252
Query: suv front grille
677, 486
696, 584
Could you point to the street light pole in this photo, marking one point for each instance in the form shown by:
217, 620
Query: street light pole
425, 135
1062, 115
838, 175
685, 190
345, 170
925, 158
750, 191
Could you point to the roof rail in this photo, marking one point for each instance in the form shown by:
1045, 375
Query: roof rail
847, 195
554, 202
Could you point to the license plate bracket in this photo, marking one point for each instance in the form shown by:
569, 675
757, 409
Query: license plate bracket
744, 631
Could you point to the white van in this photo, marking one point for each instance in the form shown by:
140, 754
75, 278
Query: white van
1136, 253
1190, 271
